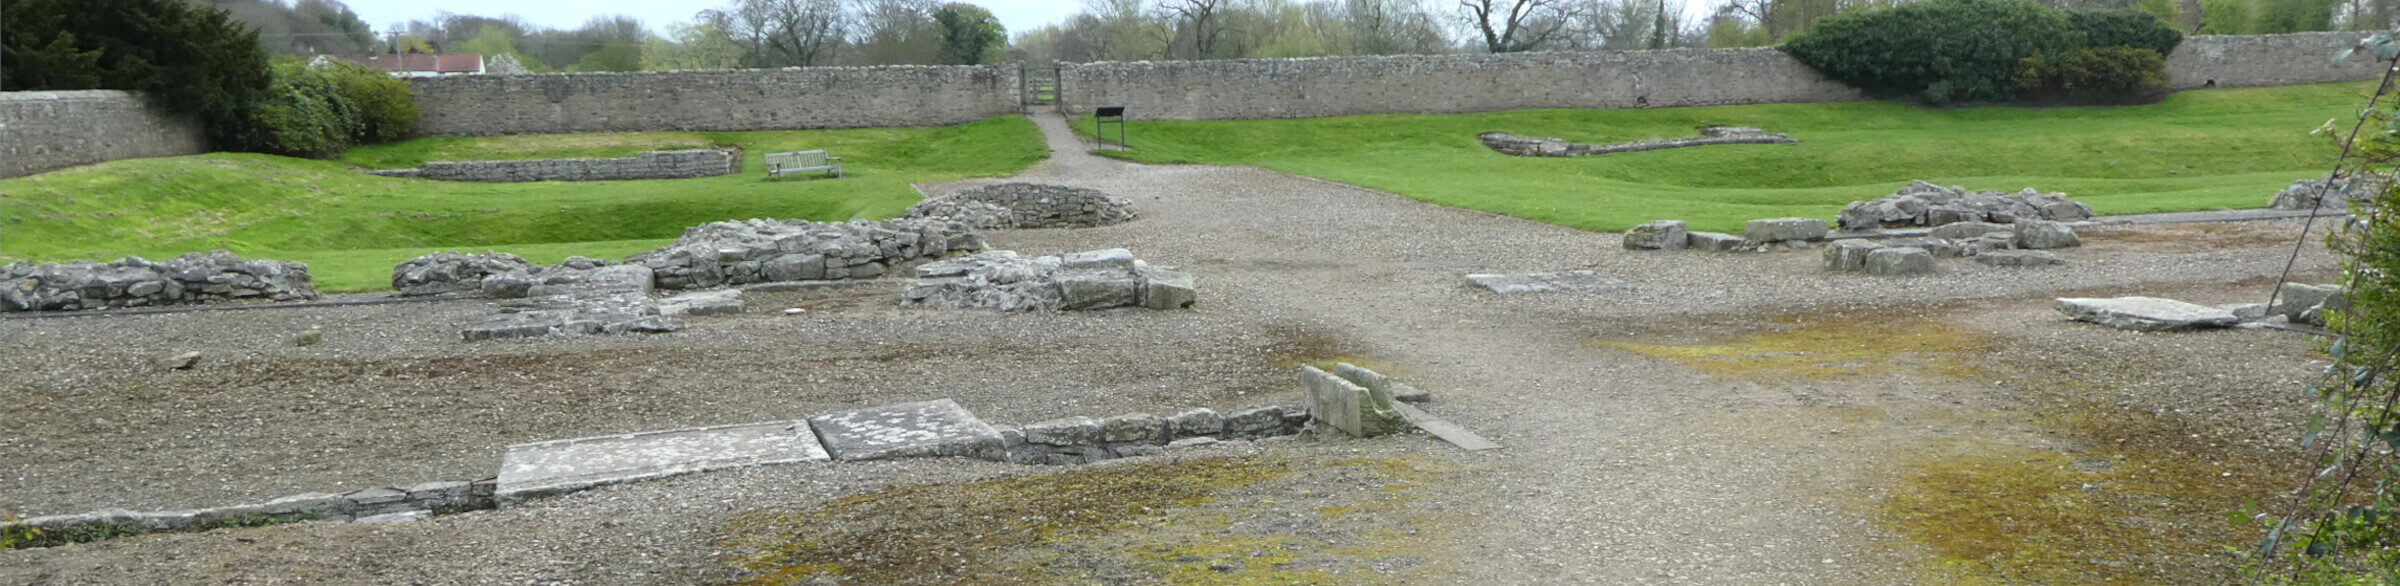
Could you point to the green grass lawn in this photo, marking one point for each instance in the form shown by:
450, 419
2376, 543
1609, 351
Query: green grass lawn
352, 227
2198, 150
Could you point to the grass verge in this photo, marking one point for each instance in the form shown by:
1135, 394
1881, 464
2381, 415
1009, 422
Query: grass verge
2198, 150
352, 227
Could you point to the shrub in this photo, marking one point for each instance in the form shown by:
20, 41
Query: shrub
1941, 51
387, 108
2127, 28
2112, 75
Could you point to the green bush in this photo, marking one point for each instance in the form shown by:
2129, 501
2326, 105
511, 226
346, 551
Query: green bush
2127, 28
387, 108
1940, 51
2121, 75
305, 113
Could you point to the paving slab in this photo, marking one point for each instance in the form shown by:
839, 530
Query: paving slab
2148, 314
1569, 281
561, 466
908, 430
1443, 428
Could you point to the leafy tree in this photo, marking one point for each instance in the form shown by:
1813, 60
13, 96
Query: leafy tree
190, 58
970, 34
691, 46
2128, 28
615, 56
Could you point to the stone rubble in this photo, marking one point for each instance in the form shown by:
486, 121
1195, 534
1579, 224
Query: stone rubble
1004, 281
1526, 146
1026, 205
214, 276
451, 272
1926, 204
760, 251
2331, 192
1080, 440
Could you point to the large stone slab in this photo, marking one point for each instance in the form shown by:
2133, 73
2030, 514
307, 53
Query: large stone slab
2148, 314
1570, 281
1443, 428
908, 430
561, 466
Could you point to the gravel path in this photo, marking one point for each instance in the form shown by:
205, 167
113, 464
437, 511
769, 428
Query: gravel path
1619, 468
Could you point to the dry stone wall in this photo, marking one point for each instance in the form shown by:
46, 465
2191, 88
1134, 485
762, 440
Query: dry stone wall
746, 99
133, 281
648, 165
2264, 60
47, 131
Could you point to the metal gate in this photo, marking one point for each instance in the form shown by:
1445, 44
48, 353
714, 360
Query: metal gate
1040, 84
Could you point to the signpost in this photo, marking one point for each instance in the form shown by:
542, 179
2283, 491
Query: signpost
1106, 115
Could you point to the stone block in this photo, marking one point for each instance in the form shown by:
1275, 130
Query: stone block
1939, 247
1715, 242
1165, 289
2298, 298
1134, 428
701, 303
1899, 262
1197, 422
1254, 422
794, 267
1114, 258
2043, 234
1346, 406
923, 429
1658, 235
1784, 229
1849, 256
1068, 431
1095, 290
2148, 314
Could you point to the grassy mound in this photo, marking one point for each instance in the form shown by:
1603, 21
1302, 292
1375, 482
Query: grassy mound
2201, 150
352, 227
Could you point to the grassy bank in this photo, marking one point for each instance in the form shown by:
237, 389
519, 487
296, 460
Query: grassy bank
2216, 149
352, 227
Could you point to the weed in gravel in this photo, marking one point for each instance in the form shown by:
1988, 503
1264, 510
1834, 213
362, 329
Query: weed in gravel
1826, 346
941, 534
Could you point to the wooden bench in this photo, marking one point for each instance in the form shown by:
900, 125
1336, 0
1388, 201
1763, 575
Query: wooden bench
803, 162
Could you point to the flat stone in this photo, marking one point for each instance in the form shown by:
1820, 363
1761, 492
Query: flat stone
1940, 248
1715, 241
1137, 427
1965, 230
560, 466
1068, 431
1785, 229
922, 429
1192, 442
184, 361
1096, 290
699, 303
1449, 432
1658, 235
2019, 258
2246, 311
395, 518
1196, 422
1570, 281
1165, 289
2148, 314
1114, 258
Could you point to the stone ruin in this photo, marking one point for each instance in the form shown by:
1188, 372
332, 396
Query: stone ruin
214, 276
1526, 146
2331, 192
451, 272
759, 251
1004, 281
1757, 236
1026, 205
2019, 244
1922, 204
1081, 440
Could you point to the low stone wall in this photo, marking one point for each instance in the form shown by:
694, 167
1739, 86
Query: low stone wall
728, 100
1002, 280
1526, 146
444, 497
133, 281
47, 131
1080, 440
647, 165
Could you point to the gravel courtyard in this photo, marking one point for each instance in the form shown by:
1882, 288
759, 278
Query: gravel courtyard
1627, 460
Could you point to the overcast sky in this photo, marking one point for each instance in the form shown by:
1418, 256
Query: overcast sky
1017, 15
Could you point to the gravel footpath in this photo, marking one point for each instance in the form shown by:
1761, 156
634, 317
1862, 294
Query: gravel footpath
1618, 468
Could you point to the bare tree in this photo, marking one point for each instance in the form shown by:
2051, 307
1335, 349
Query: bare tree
891, 32
1391, 27
781, 33
1200, 21
1512, 26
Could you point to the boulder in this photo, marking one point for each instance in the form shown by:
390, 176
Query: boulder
2297, 301
2333, 193
1899, 261
1784, 229
1849, 256
2148, 314
1941, 248
1715, 241
1658, 235
2043, 234
1925, 204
